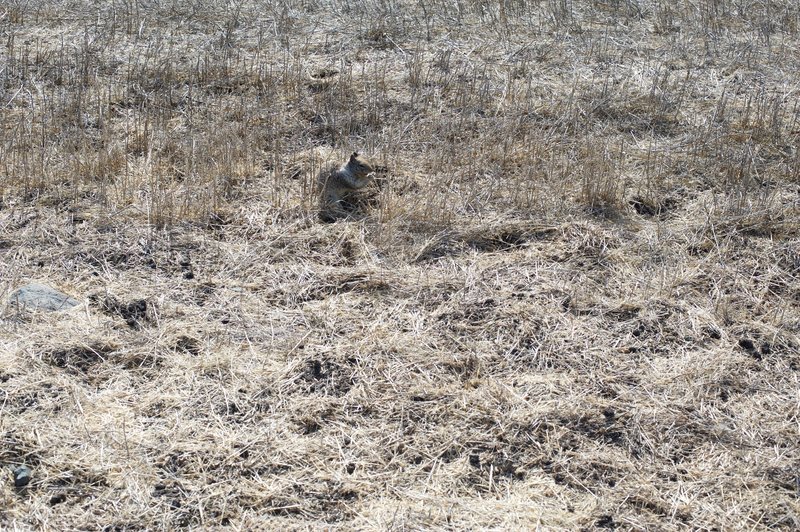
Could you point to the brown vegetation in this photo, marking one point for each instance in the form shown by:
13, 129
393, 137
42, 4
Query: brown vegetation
572, 302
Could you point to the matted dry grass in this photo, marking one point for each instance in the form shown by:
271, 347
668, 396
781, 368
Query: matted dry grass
572, 302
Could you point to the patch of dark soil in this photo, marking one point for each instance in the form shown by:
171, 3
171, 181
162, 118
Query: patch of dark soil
158, 409
785, 478
624, 312
782, 517
509, 237
650, 504
327, 377
789, 260
203, 292
729, 385
440, 247
174, 463
326, 501
530, 351
399, 184
470, 315
186, 267
174, 496
602, 426
761, 346
234, 409
78, 478
577, 309
218, 220
140, 360
105, 258
656, 330
649, 207
496, 461
187, 345
321, 80
312, 419
74, 485
283, 507
80, 358
262, 470
345, 283
501, 241
167, 253
748, 345
134, 312
57, 498
687, 432
614, 387
636, 114
433, 297
308, 426
327, 250
712, 332
18, 450
583, 473
606, 522
464, 366
44, 397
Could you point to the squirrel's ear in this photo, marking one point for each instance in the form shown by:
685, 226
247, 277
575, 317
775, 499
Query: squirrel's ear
353, 157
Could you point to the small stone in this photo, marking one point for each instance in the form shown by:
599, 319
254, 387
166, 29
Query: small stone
22, 476
38, 296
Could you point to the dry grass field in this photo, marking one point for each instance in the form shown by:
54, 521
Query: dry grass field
570, 301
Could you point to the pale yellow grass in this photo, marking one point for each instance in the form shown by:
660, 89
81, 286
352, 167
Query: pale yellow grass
572, 301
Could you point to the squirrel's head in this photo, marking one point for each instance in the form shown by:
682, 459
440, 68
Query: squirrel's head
359, 165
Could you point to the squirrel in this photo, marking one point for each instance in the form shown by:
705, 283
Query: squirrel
337, 184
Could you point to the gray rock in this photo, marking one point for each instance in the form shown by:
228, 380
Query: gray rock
22, 475
39, 296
